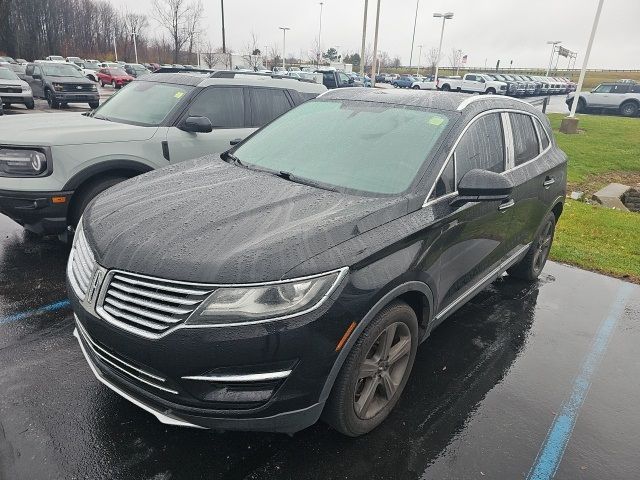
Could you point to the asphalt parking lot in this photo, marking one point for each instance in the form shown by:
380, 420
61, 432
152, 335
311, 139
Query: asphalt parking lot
42, 107
524, 380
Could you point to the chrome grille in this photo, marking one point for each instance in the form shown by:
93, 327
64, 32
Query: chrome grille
81, 265
149, 306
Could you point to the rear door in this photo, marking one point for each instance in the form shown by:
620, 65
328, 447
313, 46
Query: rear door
535, 184
476, 237
228, 110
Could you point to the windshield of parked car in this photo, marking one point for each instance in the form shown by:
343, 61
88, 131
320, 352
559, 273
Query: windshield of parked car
365, 146
142, 103
6, 74
117, 72
61, 70
92, 65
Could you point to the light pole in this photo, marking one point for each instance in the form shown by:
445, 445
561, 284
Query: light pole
571, 124
553, 44
284, 43
115, 47
419, 58
320, 35
224, 43
134, 34
413, 38
445, 17
375, 47
364, 37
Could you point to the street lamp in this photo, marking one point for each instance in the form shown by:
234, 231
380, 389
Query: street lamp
284, 43
320, 35
419, 58
134, 34
445, 17
413, 38
553, 44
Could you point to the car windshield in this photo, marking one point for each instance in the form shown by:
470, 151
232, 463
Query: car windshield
61, 70
6, 74
92, 65
142, 103
373, 147
117, 71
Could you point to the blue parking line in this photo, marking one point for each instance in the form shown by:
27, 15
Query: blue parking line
552, 450
52, 307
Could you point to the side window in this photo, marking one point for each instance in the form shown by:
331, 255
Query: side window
603, 89
620, 88
344, 78
635, 89
329, 80
29, 70
447, 182
482, 146
471, 78
301, 97
267, 104
525, 141
224, 106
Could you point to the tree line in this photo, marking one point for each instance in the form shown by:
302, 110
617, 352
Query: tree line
34, 29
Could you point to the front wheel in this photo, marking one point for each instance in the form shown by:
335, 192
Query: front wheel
94, 105
445, 88
490, 91
530, 267
51, 99
416, 87
114, 85
375, 372
30, 104
88, 192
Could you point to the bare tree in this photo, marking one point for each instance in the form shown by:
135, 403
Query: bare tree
315, 53
209, 56
174, 16
455, 58
432, 59
252, 57
193, 25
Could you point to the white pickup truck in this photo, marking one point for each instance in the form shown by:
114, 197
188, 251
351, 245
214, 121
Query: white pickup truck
473, 83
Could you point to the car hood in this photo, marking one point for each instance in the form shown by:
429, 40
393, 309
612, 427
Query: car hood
73, 80
43, 129
17, 81
212, 222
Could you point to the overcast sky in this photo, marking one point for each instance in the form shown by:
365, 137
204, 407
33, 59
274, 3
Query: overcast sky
483, 29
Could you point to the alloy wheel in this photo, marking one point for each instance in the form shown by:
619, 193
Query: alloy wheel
543, 247
382, 370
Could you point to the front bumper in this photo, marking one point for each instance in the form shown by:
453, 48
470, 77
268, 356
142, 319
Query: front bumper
165, 376
36, 211
23, 97
85, 97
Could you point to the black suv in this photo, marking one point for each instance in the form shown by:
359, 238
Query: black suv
60, 84
295, 275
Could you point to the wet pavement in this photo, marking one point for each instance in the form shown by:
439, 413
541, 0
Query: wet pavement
521, 363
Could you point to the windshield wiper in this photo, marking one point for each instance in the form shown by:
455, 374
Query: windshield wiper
100, 117
230, 156
303, 181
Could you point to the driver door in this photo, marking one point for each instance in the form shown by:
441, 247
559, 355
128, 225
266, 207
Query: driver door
36, 84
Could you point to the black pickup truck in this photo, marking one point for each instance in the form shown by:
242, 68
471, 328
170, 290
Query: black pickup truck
334, 79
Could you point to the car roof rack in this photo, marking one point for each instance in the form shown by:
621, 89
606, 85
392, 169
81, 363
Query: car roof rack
233, 73
181, 70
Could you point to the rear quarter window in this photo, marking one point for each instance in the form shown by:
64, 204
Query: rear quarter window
525, 140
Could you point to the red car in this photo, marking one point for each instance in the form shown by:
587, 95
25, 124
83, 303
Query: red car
116, 77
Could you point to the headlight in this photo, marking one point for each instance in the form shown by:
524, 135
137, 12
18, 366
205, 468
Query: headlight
268, 301
58, 87
26, 88
94, 87
22, 163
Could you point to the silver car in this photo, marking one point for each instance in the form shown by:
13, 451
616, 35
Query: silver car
14, 90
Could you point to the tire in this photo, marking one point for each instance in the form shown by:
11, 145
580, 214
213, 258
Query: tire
88, 192
416, 87
102, 84
490, 91
445, 87
30, 104
51, 100
114, 84
94, 105
530, 267
347, 410
582, 106
629, 109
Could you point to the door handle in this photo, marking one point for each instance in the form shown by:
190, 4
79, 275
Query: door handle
548, 182
506, 204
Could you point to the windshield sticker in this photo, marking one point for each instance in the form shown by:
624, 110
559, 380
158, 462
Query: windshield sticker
179, 94
436, 121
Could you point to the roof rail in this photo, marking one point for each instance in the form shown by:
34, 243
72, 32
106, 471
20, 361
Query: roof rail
475, 98
181, 70
233, 73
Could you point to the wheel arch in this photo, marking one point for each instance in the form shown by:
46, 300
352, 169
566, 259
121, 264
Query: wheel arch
416, 294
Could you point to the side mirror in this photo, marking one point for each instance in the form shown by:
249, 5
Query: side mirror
350, 80
235, 141
197, 125
482, 186
36, 76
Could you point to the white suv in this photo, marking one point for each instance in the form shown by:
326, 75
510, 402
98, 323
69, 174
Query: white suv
52, 166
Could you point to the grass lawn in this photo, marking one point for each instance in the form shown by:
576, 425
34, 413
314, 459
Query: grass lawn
589, 236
